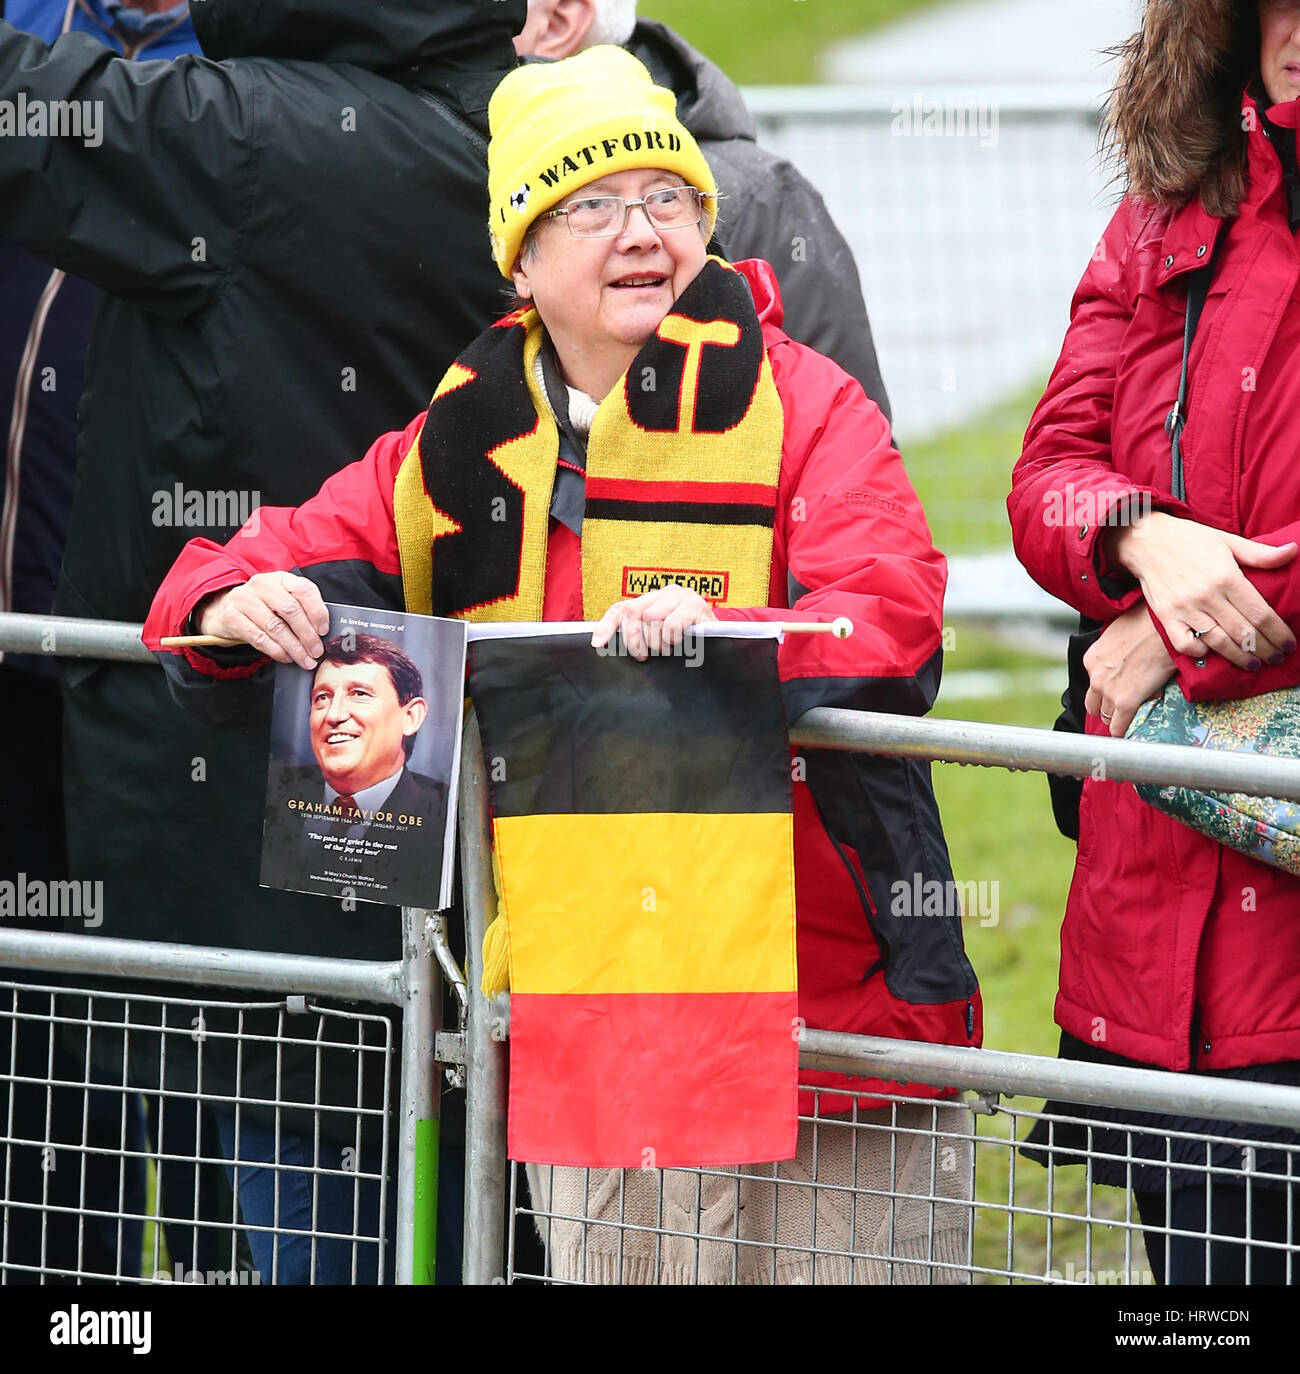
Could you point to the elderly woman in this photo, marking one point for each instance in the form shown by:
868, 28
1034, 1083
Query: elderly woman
1176, 952
641, 408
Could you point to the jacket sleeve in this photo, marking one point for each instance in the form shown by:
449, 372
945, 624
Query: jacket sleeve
144, 191
853, 541
790, 227
343, 539
1065, 491
1214, 678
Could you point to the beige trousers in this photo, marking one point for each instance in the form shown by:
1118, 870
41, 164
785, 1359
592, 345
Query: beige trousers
861, 1203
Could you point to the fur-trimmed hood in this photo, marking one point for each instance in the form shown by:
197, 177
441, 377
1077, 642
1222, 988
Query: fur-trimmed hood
1174, 118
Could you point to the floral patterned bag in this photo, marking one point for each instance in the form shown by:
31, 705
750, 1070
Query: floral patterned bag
1265, 828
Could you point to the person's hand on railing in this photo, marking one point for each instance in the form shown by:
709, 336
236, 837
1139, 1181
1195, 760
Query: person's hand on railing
279, 614
1127, 664
654, 623
1191, 578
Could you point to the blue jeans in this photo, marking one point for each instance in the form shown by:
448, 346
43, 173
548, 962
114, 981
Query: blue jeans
338, 1198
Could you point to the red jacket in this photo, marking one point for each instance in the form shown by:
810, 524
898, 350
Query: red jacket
850, 540
1175, 950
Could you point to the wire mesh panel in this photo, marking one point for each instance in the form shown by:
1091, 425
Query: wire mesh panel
971, 219
918, 1191
871, 1197
972, 213
150, 1139
1119, 1196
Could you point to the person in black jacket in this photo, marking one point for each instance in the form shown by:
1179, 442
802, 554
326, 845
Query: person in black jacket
45, 324
770, 209
290, 230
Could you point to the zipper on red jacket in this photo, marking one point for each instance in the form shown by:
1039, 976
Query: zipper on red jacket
859, 880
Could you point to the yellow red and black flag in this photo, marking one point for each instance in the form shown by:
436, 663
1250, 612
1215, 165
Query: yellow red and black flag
641, 814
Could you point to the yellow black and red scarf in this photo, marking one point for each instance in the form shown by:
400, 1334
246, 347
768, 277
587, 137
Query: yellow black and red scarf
683, 462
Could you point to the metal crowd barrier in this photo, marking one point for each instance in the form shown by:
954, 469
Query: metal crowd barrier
97, 1121
913, 1191
917, 1190
104, 1131
902, 1189
109, 1182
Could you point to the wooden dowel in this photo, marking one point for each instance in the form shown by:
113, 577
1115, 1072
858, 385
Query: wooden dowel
198, 642
841, 628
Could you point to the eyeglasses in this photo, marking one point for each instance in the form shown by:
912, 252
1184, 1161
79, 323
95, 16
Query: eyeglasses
605, 217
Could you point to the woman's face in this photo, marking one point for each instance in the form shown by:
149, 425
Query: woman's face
601, 299
1279, 57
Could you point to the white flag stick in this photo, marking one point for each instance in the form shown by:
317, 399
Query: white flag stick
840, 628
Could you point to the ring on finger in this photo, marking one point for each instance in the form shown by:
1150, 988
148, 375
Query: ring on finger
1200, 634
1107, 718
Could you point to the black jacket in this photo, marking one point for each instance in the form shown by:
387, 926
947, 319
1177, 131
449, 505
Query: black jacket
45, 324
293, 234
294, 240
770, 210
414, 823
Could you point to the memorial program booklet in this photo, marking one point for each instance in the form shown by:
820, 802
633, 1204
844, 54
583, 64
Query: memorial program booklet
365, 757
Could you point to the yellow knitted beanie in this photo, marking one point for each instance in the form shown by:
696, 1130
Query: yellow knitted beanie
558, 125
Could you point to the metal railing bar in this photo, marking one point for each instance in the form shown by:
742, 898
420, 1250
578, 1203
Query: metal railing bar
847, 100
1022, 749
58, 636
354, 979
949, 741
980, 1070
206, 1003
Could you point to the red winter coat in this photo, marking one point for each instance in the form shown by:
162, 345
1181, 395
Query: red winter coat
850, 540
1175, 950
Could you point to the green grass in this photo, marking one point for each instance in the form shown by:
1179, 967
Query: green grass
963, 476
773, 42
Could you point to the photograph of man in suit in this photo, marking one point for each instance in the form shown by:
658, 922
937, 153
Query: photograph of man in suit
366, 707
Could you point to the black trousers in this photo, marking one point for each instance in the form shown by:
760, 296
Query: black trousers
1194, 1261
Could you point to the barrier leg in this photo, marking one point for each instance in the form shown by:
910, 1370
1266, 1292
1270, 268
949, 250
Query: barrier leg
485, 1132
417, 1161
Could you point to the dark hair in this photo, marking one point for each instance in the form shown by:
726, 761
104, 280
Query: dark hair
363, 648
406, 679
